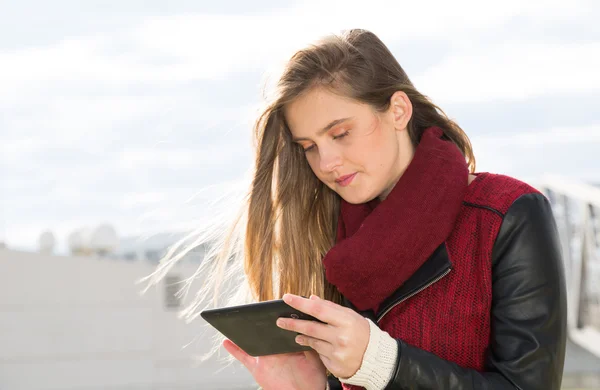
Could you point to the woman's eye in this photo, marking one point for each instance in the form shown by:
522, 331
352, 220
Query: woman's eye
341, 135
338, 136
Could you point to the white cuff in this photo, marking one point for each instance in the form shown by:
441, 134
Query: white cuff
378, 362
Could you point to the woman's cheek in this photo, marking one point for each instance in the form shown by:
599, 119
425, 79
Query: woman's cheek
313, 163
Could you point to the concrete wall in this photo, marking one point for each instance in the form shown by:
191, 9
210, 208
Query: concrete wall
80, 323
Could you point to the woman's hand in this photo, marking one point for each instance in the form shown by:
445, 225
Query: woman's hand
341, 342
293, 371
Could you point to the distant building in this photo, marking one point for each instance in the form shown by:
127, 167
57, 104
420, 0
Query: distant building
153, 248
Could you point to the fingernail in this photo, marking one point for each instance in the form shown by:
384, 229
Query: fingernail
299, 340
314, 297
281, 323
287, 298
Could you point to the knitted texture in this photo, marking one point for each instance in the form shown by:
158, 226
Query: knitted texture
451, 318
378, 362
409, 224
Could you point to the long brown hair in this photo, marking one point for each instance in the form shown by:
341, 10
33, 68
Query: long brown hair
288, 220
292, 215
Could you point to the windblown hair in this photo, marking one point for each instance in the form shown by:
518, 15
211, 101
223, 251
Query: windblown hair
289, 217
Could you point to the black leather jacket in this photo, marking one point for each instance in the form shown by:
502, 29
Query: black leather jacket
527, 344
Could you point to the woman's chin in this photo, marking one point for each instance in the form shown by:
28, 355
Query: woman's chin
355, 197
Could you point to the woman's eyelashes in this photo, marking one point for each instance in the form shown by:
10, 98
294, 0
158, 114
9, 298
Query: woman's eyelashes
337, 136
345, 133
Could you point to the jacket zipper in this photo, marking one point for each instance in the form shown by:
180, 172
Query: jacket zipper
437, 279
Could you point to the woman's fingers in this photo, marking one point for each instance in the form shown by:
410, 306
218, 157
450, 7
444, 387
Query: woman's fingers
321, 309
248, 361
341, 342
306, 327
321, 347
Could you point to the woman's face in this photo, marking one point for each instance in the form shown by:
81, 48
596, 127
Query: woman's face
358, 152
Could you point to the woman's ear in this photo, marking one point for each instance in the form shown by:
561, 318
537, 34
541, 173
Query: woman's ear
401, 109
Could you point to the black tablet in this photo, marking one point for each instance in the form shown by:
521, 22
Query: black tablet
253, 327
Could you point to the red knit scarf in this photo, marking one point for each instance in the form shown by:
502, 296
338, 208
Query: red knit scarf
381, 244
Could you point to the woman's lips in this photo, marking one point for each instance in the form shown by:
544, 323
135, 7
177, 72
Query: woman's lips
345, 180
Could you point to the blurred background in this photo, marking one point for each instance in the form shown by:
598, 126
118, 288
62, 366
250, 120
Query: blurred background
121, 121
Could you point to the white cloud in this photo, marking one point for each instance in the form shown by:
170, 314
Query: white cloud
166, 50
76, 121
173, 209
15, 151
207, 156
541, 139
568, 151
513, 71
88, 93
213, 45
102, 126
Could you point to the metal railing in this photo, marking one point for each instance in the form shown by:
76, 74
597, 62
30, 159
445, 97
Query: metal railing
576, 208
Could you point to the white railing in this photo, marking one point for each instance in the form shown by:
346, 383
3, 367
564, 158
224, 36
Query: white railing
576, 208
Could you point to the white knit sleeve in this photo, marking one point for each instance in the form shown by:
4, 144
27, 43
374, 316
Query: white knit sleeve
378, 362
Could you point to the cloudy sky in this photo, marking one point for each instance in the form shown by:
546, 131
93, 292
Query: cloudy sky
137, 112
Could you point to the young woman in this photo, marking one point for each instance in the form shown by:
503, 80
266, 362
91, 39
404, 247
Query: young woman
425, 274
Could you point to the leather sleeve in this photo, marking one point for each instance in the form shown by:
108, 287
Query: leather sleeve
527, 344
334, 383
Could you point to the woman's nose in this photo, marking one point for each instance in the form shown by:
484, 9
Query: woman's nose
329, 159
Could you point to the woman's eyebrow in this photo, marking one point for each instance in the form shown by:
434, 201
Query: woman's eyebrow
326, 128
